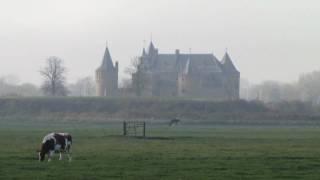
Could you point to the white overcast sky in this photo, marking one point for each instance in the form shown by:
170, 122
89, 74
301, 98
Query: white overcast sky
267, 39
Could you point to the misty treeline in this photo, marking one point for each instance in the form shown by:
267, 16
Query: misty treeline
82, 87
305, 89
54, 76
10, 87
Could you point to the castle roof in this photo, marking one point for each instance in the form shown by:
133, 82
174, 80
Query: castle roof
107, 61
227, 64
151, 48
190, 63
178, 62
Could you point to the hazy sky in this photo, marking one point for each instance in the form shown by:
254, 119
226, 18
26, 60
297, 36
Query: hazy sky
267, 39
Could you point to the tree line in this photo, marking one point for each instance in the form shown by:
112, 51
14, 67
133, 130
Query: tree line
305, 89
54, 83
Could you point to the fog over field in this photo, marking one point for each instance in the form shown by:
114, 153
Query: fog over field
159, 89
267, 40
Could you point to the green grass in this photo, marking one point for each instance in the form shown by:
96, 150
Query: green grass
183, 152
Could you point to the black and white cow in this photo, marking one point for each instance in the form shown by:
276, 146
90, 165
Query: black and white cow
55, 142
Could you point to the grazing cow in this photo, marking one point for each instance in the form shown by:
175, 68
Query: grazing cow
55, 142
174, 122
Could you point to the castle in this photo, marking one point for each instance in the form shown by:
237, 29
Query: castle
197, 76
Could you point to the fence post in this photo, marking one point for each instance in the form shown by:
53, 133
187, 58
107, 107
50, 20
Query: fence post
124, 128
144, 129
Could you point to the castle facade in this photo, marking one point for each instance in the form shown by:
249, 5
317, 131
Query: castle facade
197, 76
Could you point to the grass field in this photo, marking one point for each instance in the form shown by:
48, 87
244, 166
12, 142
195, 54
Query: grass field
182, 152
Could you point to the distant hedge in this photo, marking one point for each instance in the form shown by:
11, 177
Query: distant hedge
153, 108
111, 105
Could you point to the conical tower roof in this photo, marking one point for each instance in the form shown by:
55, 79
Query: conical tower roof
107, 60
151, 48
228, 64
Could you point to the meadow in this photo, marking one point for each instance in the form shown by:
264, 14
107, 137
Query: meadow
181, 152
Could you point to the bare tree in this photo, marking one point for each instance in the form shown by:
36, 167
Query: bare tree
139, 76
125, 87
125, 83
54, 77
83, 87
267, 91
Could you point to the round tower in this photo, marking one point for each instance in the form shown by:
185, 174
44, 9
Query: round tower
107, 76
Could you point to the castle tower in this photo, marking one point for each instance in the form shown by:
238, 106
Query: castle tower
232, 76
107, 76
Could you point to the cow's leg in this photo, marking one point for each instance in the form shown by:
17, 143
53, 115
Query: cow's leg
60, 157
50, 154
69, 157
69, 153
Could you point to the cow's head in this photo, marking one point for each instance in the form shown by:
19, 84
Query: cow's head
45, 148
42, 152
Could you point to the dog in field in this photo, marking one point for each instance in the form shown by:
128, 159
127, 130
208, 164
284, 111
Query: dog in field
174, 122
